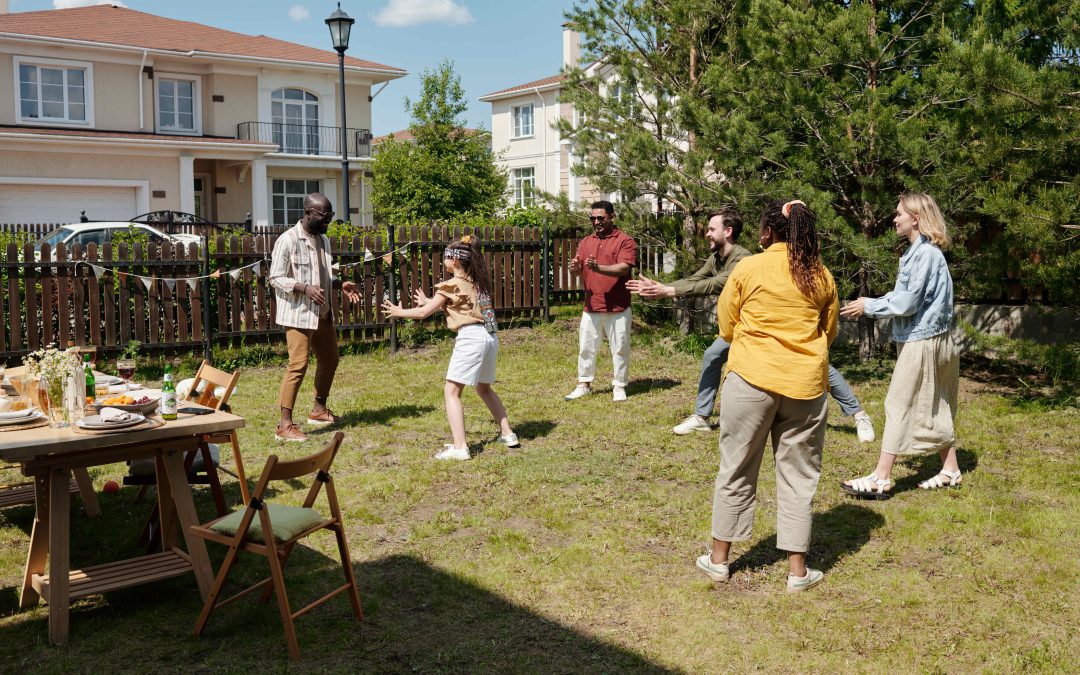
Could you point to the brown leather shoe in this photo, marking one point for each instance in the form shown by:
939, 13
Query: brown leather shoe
289, 432
321, 419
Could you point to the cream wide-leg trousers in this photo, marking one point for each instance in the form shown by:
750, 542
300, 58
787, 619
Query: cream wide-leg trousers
613, 327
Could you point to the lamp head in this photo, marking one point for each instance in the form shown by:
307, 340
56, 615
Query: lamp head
340, 25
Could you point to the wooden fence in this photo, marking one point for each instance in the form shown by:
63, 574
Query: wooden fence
98, 296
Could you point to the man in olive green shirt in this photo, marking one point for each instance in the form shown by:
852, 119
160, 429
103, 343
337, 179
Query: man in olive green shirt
724, 228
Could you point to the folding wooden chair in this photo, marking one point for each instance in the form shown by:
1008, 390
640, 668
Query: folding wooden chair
275, 532
212, 388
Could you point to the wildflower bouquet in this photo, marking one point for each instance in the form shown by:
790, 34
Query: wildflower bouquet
56, 368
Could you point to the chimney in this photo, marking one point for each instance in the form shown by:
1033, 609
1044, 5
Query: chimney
571, 47
3, 6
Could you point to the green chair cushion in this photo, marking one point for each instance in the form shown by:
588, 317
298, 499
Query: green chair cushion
287, 521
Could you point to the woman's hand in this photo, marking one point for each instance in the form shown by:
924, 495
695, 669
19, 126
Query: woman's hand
391, 310
854, 309
419, 299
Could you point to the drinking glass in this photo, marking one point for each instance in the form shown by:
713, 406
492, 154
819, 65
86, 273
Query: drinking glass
126, 369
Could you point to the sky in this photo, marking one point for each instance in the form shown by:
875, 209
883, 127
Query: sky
494, 44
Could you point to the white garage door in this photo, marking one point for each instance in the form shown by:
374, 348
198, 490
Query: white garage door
22, 204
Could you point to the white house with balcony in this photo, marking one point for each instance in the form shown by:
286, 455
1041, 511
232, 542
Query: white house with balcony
115, 113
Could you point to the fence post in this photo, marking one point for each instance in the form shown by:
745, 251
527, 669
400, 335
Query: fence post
545, 267
208, 351
393, 286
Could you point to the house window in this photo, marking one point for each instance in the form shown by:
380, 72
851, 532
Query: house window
288, 199
295, 114
524, 186
178, 104
55, 91
523, 121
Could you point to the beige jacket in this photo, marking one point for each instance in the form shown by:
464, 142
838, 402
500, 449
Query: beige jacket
294, 261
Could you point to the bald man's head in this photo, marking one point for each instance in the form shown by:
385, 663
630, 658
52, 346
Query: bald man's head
318, 212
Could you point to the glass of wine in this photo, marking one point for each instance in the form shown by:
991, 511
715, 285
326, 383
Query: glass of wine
126, 369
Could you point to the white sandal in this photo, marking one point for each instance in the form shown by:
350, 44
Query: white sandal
869, 487
936, 482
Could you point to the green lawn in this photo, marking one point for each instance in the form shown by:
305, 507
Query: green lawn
575, 552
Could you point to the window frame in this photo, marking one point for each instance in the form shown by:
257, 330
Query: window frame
517, 182
66, 64
311, 138
196, 103
284, 194
514, 125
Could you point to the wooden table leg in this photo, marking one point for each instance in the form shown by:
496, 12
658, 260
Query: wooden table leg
86, 491
39, 542
187, 516
166, 533
59, 554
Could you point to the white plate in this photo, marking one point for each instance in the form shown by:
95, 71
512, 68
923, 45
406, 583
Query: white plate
109, 380
16, 414
37, 414
94, 422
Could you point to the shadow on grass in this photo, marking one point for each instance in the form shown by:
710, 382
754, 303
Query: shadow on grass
382, 415
929, 465
534, 429
845, 358
409, 604
647, 384
839, 532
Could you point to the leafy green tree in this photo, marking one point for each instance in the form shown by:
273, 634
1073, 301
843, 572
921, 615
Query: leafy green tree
448, 170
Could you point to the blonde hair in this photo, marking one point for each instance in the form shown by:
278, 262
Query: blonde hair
927, 214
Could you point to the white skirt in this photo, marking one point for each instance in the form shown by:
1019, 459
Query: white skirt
920, 407
474, 355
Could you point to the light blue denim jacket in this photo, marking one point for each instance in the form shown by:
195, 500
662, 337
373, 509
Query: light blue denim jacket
921, 303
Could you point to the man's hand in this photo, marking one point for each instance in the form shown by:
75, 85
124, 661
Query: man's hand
575, 266
591, 264
648, 288
315, 293
351, 290
854, 309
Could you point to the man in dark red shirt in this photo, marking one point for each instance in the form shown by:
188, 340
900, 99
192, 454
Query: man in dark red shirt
605, 260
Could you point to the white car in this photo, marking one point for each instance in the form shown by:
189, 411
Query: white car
102, 232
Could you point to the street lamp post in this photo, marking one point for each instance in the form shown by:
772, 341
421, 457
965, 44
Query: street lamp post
340, 25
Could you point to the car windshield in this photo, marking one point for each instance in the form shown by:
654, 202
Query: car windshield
55, 237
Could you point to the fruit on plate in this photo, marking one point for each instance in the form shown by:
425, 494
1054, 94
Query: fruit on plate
119, 400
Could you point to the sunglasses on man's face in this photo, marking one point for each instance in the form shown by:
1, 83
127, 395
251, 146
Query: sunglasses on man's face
597, 219
323, 214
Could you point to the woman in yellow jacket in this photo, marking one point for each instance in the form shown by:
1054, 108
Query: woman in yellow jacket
779, 311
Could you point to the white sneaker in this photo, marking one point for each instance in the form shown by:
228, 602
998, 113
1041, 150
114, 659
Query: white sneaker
510, 440
864, 427
693, 423
712, 570
581, 390
618, 393
450, 452
796, 584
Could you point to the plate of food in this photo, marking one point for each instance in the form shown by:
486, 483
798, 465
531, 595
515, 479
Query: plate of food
118, 420
143, 404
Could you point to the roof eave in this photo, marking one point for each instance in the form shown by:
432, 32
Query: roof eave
519, 92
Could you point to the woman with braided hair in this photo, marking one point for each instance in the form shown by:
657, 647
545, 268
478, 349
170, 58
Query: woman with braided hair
921, 404
779, 311
466, 300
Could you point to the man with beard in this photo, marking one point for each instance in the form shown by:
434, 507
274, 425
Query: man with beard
604, 260
723, 231
300, 272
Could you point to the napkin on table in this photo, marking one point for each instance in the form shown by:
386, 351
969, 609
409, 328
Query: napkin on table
115, 416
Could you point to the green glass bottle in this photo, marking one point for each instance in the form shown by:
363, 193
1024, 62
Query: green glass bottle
168, 396
90, 383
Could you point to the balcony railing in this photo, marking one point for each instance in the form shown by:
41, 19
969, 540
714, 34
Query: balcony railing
306, 139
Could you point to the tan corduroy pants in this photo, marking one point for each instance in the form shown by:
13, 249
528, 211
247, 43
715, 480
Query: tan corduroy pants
302, 343
747, 416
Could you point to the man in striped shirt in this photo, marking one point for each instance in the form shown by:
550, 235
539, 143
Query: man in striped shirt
300, 272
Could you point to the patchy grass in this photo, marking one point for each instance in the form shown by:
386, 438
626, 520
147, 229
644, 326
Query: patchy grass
575, 552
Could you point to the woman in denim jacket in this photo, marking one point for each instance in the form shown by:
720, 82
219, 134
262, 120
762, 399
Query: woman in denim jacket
921, 404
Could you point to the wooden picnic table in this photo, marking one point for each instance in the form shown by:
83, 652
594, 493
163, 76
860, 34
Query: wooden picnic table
50, 455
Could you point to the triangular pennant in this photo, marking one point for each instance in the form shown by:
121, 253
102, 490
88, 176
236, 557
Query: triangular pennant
257, 268
147, 281
216, 274
192, 282
387, 258
98, 271
235, 274
368, 255
170, 284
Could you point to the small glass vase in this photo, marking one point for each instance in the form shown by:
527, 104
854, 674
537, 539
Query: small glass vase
59, 412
